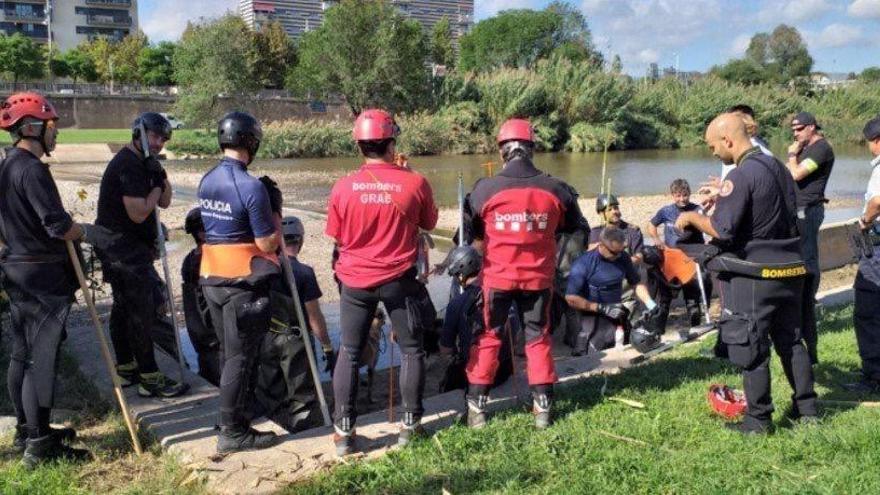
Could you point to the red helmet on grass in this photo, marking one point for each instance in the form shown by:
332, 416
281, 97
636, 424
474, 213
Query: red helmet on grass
726, 402
375, 125
516, 130
22, 105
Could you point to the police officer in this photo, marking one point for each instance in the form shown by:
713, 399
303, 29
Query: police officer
132, 187
195, 307
241, 215
810, 160
375, 215
866, 318
39, 278
761, 271
514, 218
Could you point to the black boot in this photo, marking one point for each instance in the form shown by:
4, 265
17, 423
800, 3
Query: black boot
231, 440
19, 442
476, 410
49, 448
343, 436
410, 429
542, 403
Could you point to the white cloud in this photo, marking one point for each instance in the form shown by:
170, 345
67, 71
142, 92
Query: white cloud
488, 8
803, 10
865, 8
648, 56
837, 35
166, 19
739, 45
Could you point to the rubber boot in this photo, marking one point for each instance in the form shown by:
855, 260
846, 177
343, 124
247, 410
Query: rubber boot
49, 448
541, 409
231, 440
476, 410
343, 436
19, 441
410, 428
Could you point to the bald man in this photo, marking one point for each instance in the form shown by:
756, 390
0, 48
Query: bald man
761, 273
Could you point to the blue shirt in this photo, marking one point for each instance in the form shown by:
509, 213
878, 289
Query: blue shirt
600, 280
667, 216
234, 205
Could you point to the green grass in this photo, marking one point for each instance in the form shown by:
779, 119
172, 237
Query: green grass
92, 136
678, 447
100, 428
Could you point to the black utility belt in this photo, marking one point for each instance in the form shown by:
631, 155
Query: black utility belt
731, 265
35, 258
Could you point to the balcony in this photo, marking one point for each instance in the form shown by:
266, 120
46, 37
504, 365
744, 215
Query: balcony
110, 3
20, 16
106, 20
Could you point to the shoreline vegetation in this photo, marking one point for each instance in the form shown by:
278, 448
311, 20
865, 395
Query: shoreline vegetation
573, 108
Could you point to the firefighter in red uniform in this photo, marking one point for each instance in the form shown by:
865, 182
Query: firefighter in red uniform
374, 216
514, 218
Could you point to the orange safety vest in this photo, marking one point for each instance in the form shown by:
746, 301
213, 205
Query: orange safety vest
677, 267
231, 260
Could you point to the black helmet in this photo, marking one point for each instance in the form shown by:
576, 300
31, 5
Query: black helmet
193, 223
644, 340
292, 227
151, 121
464, 262
240, 130
603, 201
652, 256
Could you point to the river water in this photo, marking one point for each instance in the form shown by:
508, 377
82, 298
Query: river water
632, 173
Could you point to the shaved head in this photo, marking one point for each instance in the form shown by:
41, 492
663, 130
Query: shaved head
727, 137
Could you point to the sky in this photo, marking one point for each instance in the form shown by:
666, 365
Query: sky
842, 35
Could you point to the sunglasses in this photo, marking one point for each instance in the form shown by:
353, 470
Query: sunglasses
798, 128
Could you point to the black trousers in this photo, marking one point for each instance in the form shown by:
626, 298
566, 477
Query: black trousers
133, 315
757, 313
37, 332
241, 319
866, 318
357, 308
201, 332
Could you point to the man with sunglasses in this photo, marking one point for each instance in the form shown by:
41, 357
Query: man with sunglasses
595, 287
810, 160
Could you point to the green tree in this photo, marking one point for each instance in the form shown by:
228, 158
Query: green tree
369, 53
757, 50
154, 64
21, 58
80, 65
276, 55
741, 71
788, 52
213, 58
871, 75
442, 52
126, 55
617, 65
573, 37
520, 38
100, 50
58, 67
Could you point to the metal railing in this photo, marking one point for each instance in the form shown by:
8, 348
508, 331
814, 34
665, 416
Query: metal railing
108, 20
112, 3
15, 15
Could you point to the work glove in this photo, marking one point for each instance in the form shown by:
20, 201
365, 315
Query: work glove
616, 312
329, 360
100, 237
156, 172
275, 198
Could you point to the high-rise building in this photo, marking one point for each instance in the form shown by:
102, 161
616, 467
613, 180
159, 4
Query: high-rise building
72, 21
299, 16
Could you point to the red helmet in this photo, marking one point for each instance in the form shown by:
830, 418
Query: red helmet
21, 105
375, 125
726, 401
516, 130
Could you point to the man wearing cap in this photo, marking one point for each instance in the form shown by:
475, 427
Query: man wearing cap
866, 318
810, 160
